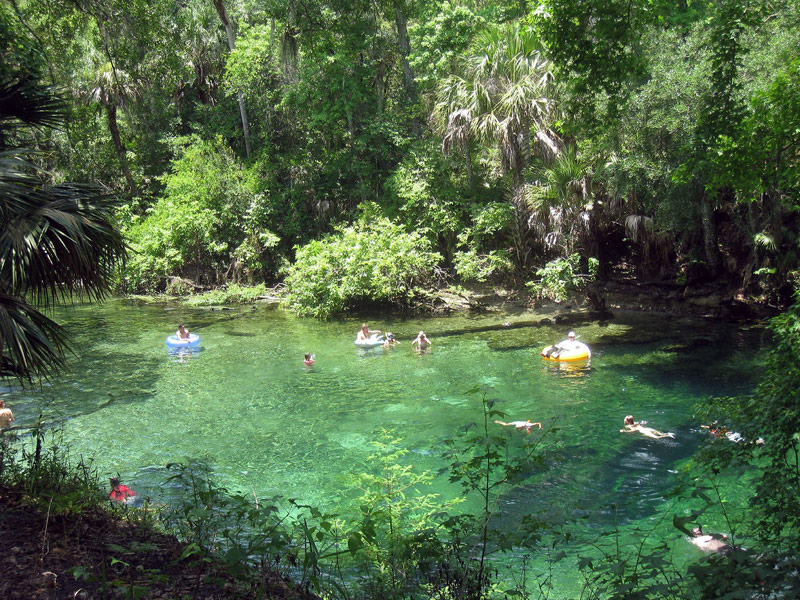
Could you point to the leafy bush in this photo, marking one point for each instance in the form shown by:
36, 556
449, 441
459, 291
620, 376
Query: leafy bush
470, 265
562, 277
203, 226
424, 193
372, 261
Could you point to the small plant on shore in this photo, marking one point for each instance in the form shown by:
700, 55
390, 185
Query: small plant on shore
642, 569
47, 474
231, 294
486, 466
399, 526
244, 533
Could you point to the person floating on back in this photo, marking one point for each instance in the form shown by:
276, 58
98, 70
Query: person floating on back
632, 426
121, 493
710, 542
527, 425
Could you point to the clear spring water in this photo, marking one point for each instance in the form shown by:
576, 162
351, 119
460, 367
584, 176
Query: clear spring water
246, 404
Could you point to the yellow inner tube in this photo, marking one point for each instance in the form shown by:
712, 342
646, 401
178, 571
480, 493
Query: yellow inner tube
582, 352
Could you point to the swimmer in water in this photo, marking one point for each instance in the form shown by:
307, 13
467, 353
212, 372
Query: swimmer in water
527, 425
309, 359
365, 333
710, 542
632, 426
121, 493
421, 340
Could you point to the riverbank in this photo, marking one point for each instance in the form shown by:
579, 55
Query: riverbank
716, 300
97, 551
713, 301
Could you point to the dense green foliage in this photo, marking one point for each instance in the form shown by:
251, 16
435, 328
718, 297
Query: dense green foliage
561, 278
641, 134
372, 261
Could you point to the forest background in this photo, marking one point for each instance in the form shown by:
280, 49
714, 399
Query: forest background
366, 152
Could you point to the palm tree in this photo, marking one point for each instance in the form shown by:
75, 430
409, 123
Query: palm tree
111, 89
561, 202
503, 100
56, 241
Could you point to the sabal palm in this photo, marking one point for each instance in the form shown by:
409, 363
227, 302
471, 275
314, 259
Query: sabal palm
56, 242
111, 89
502, 99
560, 201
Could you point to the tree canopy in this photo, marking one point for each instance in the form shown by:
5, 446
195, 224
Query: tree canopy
656, 137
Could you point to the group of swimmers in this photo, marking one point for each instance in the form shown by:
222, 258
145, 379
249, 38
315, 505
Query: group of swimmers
631, 426
364, 334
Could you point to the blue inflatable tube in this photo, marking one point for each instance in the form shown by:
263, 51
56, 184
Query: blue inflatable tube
174, 341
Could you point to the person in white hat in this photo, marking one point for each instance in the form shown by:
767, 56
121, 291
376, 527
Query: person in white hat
563, 346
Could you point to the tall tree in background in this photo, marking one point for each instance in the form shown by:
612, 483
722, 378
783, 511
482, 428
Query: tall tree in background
720, 121
111, 90
503, 98
223, 15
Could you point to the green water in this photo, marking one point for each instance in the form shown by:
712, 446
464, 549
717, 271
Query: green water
246, 404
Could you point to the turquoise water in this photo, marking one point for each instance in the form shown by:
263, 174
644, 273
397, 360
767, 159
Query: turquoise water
246, 404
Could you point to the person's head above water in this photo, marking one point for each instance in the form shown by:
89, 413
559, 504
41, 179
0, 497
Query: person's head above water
364, 327
628, 420
390, 335
571, 334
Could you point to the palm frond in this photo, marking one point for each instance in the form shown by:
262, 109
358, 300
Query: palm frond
34, 344
765, 241
639, 228
28, 103
55, 241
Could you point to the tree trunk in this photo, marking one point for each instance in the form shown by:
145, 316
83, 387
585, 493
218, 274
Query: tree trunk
408, 74
470, 175
122, 152
223, 15
709, 232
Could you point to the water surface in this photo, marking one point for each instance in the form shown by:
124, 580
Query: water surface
246, 404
